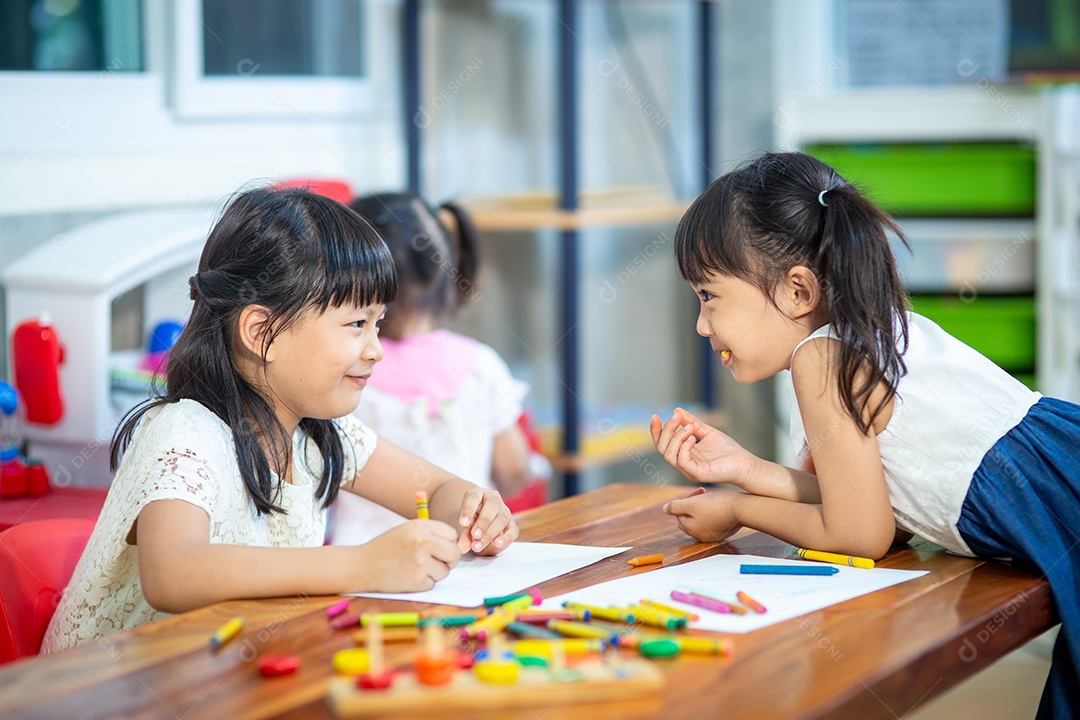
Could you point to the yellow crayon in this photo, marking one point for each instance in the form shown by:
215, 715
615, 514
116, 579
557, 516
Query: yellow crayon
614, 614
403, 619
687, 643
519, 602
670, 610
851, 560
545, 648
578, 630
705, 645
226, 632
658, 618
421, 505
489, 624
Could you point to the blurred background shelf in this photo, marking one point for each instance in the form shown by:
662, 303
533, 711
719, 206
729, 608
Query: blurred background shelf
540, 209
615, 435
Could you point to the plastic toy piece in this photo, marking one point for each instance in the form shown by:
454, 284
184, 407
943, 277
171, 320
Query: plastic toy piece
498, 666
433, 664
278, 665
377, 677
351, 662
36, 358
659, 648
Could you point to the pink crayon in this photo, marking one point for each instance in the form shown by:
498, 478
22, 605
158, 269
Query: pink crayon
701, 601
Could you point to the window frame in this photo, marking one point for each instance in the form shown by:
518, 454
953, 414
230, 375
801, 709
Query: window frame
249, 94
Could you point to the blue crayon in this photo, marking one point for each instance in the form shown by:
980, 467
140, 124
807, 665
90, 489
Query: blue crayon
787, 570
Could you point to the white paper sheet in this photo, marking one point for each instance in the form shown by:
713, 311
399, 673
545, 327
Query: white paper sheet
784, 596
517, 568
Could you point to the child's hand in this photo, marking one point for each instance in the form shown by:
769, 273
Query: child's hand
412, 556
706, 516
701, 453
488, 528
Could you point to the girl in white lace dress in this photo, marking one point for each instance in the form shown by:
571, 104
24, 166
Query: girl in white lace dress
447, 397
223, 482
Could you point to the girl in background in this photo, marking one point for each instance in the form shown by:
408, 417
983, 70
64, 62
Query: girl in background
903, 429
446, 397
223, 482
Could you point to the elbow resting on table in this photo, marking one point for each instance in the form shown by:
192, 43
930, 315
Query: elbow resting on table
165, 599
874, 547
166, 592
865, 542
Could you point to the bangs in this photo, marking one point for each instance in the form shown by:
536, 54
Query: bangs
357, 267
707, 238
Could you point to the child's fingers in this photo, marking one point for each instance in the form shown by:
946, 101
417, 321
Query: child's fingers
671, 450
688, 418
686, 523
464, 542
655, 426
502, 541
445, 550
683, 505
470, 505
666, 431
683, 459
492, 519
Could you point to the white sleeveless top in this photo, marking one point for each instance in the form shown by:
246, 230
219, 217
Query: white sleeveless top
951, 407
183, 451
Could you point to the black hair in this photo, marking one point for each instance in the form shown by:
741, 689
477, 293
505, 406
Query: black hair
436, 266
757, 222
292, 252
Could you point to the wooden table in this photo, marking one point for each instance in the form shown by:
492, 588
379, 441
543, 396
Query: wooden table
876, 656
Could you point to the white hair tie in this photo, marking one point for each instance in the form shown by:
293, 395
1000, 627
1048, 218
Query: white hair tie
821, 198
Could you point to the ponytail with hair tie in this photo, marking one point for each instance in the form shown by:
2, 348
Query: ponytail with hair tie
757, 222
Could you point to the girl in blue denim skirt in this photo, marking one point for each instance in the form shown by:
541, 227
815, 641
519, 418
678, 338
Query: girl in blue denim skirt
903, 428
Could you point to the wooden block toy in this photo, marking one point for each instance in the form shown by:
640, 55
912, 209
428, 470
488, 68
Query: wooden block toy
496, 665
536, 688
377, 677
434, 664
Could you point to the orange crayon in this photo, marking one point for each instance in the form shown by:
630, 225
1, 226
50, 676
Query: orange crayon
750, 602
646, 560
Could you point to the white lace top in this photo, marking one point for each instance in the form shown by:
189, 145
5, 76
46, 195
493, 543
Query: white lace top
183, 451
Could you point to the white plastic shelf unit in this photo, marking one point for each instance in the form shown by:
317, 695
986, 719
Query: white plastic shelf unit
74, 278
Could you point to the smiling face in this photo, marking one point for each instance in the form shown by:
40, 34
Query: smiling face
754, 336
318, 367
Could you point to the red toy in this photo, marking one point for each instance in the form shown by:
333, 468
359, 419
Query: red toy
37, 355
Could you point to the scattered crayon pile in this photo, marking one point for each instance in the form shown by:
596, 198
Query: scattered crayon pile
511, 644
515, 633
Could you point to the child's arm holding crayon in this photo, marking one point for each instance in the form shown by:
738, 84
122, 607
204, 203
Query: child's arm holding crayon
180, 569
392, 476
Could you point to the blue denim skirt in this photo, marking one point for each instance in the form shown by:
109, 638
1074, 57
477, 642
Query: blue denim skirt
1024, 503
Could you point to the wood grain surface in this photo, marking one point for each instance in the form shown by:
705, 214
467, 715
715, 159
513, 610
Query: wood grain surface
875, 656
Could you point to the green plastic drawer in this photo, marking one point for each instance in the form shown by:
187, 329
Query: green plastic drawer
970, 179
1001, 328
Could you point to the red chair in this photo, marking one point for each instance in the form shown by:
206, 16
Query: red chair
339, 190
36, 563
535, 491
